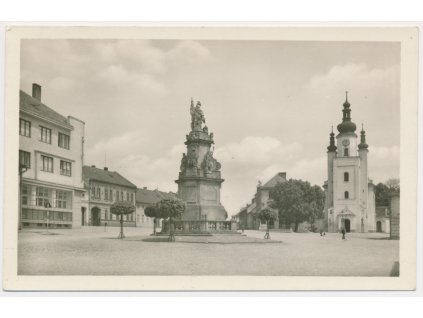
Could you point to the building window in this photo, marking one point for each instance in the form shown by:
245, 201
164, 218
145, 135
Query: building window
42, 196
106, 194
24, 128
98, 193
65, 168
346, 195
93, 192
24, 195
45, 134
63, 199
346, 176
132, 198
346, 153
127, 196
64, 141
47, 164
111, 195
25, 158
121, 195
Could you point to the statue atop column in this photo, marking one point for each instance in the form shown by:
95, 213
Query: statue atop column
197, 116
200, 179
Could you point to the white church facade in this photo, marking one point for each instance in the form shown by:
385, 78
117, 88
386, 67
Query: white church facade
350, 197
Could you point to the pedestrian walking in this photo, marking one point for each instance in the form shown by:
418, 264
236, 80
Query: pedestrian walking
105, 226
343, 233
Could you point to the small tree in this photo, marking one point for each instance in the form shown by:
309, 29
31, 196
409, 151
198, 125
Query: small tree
152, 212
267, 215
121, 208
170, 209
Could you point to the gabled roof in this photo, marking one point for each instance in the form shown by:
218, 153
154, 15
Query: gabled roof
33, 106
280, 177
106, 176
152, 196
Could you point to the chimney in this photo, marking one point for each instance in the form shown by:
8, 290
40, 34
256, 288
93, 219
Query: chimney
36, 91
282, 174
145, 188
92, 166
106, 169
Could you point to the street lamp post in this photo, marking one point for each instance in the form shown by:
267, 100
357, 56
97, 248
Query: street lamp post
47, 205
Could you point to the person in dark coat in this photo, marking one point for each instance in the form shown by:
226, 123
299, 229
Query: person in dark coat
343, 233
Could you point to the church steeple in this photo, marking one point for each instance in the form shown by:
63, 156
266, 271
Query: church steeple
363, 144
332, 146
347, 125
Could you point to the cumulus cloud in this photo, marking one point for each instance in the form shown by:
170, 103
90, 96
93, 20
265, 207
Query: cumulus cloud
383, 163
257, 151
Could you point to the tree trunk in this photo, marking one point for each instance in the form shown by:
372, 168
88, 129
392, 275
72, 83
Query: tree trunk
296, 226
121, 227
171, 232
154, 226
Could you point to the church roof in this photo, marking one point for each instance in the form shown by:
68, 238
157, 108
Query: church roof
347, 126
280, 177
33, 106
101, 175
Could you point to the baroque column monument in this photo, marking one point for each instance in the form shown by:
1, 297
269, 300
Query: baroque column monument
200, 179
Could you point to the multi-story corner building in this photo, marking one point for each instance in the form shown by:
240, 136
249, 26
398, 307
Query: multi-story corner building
105, 187
350, 198
145, 198
51, 154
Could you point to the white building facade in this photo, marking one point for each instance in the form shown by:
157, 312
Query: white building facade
51, 154
350, 198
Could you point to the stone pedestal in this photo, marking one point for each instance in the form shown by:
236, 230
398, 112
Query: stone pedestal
199, 179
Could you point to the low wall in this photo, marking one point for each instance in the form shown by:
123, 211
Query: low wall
199, 226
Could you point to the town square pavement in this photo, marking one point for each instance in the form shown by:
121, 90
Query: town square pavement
97, 251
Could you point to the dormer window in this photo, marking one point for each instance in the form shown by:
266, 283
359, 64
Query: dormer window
346, 195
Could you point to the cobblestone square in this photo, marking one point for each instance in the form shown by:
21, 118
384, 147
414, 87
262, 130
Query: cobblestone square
94, 251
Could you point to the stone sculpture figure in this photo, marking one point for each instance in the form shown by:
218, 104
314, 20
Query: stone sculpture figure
184, 162
197, 116
192, 158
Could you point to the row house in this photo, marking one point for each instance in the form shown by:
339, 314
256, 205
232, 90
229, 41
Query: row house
51, 154
145, 198
103, 188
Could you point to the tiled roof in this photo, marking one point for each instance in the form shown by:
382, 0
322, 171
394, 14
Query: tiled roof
31, 105
280, 177
101, 175
152, 196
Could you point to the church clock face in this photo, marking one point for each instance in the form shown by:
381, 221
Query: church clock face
346, 142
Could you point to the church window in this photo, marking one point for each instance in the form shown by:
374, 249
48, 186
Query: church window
346, 176
346, 195
346, 153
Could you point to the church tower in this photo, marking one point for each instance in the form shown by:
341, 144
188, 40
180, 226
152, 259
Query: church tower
350, 201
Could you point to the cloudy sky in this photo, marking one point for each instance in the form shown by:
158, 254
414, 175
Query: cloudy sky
270, 104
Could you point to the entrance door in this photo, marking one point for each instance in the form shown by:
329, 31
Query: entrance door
347, 225
95, 216
83, 209
378, 226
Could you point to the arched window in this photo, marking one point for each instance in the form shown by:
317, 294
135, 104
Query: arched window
346, 195
346, 153
346, 176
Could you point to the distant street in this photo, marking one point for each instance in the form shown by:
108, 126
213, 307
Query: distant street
93, 251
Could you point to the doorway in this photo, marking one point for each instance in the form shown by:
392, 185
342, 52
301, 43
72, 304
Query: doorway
83, 210
95, 216
347, 225
378, 226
